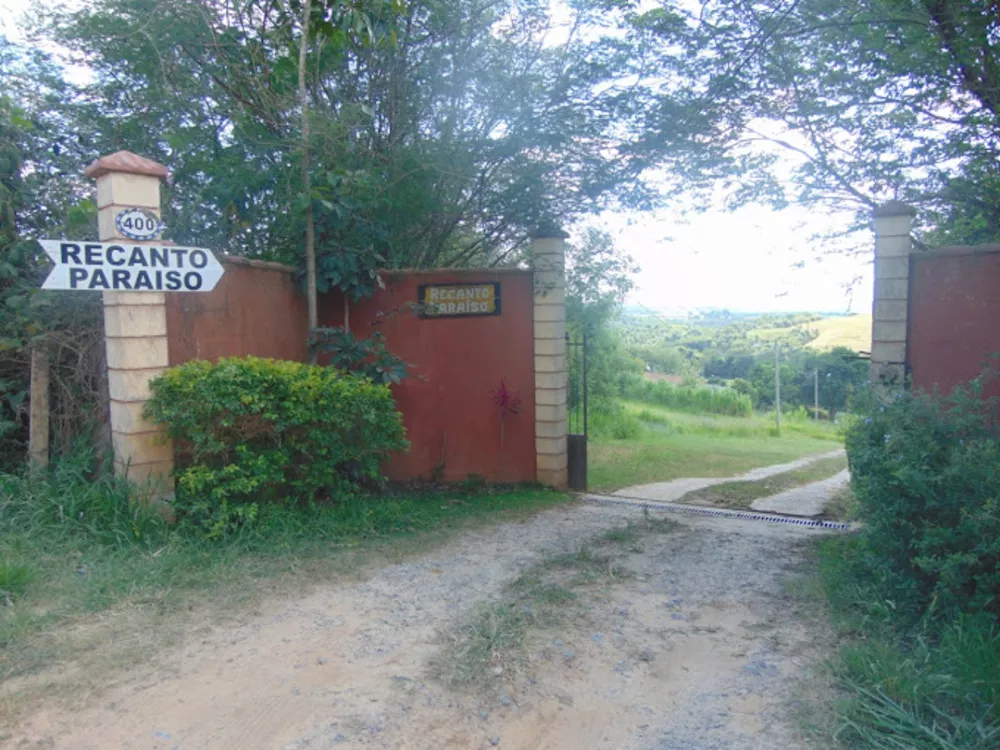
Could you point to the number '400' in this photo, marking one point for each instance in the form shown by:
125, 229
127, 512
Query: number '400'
140, 223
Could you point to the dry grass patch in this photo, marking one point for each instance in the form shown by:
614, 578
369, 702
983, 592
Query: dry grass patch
490, 649
740, 494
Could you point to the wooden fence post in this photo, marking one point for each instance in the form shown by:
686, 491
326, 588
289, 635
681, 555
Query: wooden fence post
38, 427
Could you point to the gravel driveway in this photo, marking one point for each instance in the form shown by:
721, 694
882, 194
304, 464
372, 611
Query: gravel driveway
700, 649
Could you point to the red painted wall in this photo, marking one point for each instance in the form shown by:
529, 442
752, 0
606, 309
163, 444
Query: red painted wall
455, 365
954, 317
256, 308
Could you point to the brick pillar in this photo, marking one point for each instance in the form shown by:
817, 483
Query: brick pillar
548, 254
135, 328
893, 221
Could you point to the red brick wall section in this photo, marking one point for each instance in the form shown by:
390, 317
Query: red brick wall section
954, 316
256, 308
455, 366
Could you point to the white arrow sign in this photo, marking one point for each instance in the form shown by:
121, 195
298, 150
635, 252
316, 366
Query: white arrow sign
124, 267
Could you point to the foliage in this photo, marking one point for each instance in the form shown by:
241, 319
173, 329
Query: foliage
256, 430
442, 132
738, 351
612, 421
702, 400
717, 343
932, 686
762, 384
74, 500
39, 159
926, 478
868, 100
367, 357
14, 579
841, 374
598, 276
670, 360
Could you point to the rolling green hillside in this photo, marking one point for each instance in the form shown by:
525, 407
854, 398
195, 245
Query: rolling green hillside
852, 331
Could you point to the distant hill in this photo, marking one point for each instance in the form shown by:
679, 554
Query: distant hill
851, 331
828, 332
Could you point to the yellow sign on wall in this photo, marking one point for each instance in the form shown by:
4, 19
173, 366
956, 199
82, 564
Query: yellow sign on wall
459, 300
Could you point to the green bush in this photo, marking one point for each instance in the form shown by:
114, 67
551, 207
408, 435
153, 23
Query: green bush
926, 473
368, 357
250, 430
698, 400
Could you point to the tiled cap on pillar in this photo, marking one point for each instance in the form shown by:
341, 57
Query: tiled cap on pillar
124, 180
547, 230
894, 208
127, 162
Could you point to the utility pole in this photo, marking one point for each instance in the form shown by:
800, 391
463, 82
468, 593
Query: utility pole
816, 393
777, 388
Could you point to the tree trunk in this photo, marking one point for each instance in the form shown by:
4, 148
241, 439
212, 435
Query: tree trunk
306, 184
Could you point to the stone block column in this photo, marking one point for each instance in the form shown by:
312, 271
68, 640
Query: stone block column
548, 256
893, 222
135, 328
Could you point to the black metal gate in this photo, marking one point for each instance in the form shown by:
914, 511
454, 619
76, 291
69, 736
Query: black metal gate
576, 397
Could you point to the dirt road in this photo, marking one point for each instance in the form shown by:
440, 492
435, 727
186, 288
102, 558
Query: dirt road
700, 648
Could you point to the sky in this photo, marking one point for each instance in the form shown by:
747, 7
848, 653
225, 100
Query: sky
752, 259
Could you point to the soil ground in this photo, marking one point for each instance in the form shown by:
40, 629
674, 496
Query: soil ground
700, 647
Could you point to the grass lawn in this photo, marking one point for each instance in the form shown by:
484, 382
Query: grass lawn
674, 445
90, 581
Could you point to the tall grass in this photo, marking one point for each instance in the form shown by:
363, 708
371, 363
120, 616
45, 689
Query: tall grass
663, 422
916, 588
935, 686
73, 503
613, 421
699, 400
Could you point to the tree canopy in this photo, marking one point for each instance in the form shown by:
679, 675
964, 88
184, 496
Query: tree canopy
871, 100
441, 136
444, 131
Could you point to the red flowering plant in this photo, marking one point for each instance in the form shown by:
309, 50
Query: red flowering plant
509, 403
